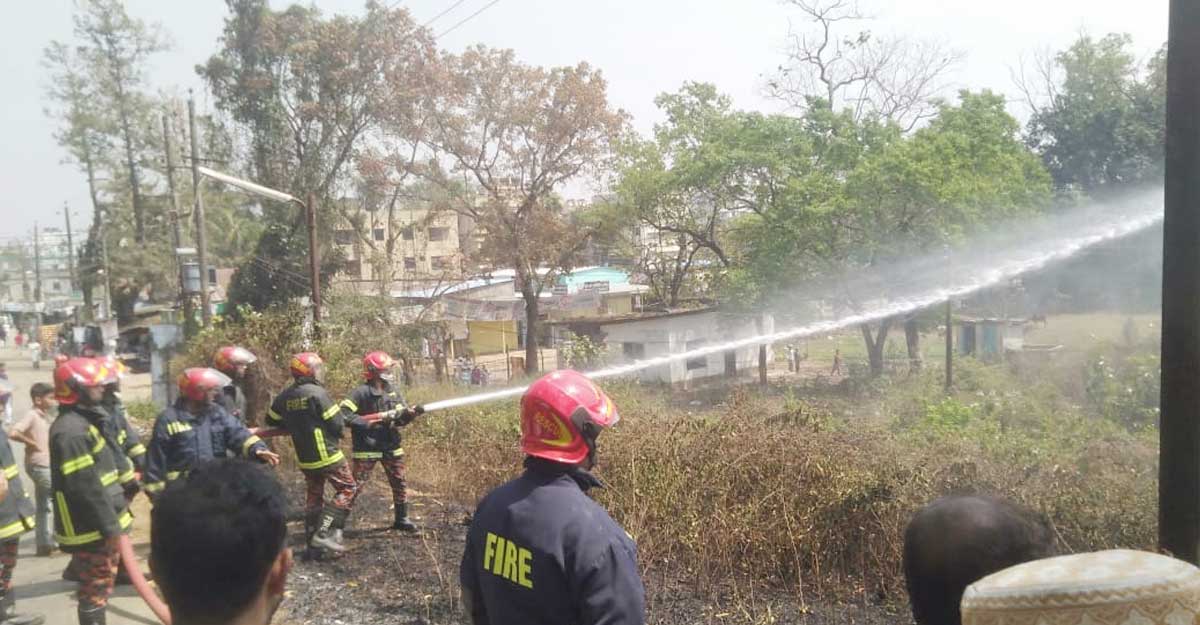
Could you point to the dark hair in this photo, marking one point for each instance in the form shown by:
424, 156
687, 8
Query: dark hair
958, 540
39, 389
214, 536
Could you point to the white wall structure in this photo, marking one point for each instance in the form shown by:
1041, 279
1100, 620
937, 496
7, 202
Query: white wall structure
648, 337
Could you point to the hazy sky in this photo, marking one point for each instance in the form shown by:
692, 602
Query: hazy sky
644, 47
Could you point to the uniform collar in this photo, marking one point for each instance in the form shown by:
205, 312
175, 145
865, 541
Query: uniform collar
582, 478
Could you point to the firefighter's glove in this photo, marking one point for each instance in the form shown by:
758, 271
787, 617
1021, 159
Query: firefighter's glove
405, 415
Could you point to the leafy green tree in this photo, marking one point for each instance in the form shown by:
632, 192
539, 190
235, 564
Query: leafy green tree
1104, 121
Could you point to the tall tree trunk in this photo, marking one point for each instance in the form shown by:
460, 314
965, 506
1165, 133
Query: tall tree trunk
531, 326
139, 217
912, 338
875, 345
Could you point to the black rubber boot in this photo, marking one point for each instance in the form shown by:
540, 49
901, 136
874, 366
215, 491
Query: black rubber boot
71, 574
401, 519
9, 616
92, 616
323, 538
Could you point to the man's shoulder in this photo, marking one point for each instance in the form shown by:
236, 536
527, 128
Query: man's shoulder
70, 423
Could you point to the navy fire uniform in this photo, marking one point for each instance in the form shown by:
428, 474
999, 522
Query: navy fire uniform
540, 551
181, 440
316, 423
377, 444
124, 433
16, 518
233, 400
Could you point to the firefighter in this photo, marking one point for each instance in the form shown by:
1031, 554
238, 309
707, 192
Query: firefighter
85, 468
380, 444
197, 429
539, 549
233, 361
16, 518
315, 423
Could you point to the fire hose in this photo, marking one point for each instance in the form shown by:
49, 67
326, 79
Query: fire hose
370, 419
156, 605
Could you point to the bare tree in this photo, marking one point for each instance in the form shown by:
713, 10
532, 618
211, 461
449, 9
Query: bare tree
892, 78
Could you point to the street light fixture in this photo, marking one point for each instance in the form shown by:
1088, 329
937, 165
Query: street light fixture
310, 215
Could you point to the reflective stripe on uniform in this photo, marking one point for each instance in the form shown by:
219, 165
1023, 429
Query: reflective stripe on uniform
250, 443
367, 455
178, 427
153, 487
16, 527
75, 464
109, 478
11, 472
71, 539
125, 477
331, 412
273, 416
64, 515
121, 437
99, 439
137, 450
173, 475
397, 452
324, 458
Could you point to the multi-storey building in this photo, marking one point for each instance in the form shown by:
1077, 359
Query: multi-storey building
426, 247
54, 267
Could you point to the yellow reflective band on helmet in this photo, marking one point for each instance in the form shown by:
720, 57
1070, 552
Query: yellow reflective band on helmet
75, 464
331, 412
367, 455
16, 527
11, 472
350, 405
250, 443
273, 416
178, 427
108, 478
137, 450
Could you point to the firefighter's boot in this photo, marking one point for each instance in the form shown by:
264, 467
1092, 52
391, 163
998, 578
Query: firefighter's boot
9, 616
401, 520
92, 616
323, 538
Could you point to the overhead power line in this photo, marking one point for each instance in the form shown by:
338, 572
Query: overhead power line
468, 18
443, 13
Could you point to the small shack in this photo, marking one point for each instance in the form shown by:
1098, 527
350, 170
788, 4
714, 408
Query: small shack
989, 339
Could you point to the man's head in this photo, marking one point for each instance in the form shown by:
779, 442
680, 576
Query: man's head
42, 395
562, 414
377, 368
955, 541
308, 367
218, 544
80, 381
200, 386
234, 360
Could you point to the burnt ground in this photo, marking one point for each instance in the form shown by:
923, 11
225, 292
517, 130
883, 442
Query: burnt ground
401, 579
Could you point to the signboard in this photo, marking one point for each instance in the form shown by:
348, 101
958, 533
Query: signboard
560, 288
598, 286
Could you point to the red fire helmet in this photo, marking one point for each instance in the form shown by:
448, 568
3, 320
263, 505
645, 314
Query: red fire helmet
195, 383
558, 411
75, 374
230, 357
377, 365
117, 369
306, 365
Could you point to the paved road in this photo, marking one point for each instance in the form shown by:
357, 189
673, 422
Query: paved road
38, 583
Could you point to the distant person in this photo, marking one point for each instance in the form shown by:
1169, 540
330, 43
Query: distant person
218, 545
35, 354
19, 340
956, 541
6, 398
539, 550
33, 431
3, 336
837, 363
234, 362
1115, 587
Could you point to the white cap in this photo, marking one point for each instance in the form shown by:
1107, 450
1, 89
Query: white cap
1117, 587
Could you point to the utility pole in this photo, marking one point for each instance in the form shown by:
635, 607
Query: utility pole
949, 345
314, 261
185, 300
37, 282
1179, 431
70, 247
198, 210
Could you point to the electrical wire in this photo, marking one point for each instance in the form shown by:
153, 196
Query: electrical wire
439, 15
468, 18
